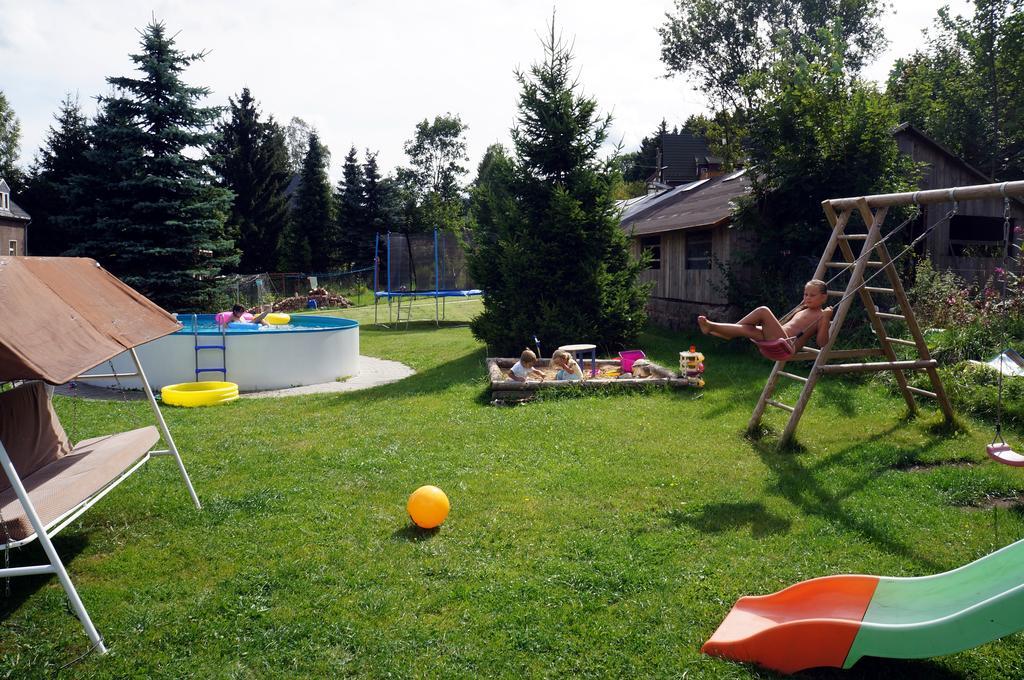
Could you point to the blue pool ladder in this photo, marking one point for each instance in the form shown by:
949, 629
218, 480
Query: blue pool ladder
223, 347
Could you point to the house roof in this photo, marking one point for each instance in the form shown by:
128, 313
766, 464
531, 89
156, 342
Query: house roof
907, 128
680, 154
633, 207
15, 213
707, 205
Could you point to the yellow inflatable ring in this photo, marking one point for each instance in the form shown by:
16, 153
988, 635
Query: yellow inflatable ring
277, 318
207, 393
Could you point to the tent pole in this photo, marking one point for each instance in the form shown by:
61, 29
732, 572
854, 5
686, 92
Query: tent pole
51, 552
163, 428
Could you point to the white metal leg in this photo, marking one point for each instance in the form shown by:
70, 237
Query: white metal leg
56, 565
172, 447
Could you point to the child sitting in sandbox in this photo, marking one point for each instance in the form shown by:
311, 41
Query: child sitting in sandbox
523, 369
774, 339
567, 367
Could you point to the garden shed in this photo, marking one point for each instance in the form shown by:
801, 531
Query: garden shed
971, 243
686, 230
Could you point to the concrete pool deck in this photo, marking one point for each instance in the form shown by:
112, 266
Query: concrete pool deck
372, 373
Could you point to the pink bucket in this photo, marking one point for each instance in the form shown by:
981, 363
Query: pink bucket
628, 357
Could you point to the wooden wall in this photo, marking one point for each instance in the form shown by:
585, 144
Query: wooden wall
12, 232
675, 282
942, 172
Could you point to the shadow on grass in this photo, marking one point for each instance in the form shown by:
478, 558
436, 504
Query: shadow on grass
800, 485
876, 668
467, 369
414, 534
68, 547
718, 517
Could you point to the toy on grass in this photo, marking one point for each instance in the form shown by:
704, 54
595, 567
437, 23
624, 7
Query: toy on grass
428, 507
691, 366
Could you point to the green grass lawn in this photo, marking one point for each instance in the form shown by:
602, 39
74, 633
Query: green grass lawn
604, 535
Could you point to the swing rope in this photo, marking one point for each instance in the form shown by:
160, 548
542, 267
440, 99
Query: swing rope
999, 450
867, 252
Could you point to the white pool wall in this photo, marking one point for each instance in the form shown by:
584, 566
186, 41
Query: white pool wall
256, 360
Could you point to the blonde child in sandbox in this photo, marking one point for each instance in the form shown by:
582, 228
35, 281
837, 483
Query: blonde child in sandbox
777, 340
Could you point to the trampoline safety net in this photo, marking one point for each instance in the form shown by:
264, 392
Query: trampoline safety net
425, 264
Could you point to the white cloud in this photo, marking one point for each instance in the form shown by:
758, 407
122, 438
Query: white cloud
364, 72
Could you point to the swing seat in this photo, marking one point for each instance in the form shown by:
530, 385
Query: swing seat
780, 349
62, 481
1002, 453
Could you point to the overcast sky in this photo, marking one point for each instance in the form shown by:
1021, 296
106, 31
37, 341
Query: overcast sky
363, 72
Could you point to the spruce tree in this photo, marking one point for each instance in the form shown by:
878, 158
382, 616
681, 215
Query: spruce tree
251, 160
158, 219
310, 237
47, 192
375, 199
351, 210
552, 259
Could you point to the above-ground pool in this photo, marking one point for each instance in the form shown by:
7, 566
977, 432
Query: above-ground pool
307, 351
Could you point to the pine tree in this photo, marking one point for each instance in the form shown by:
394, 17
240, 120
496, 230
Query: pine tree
251, 160
551, 256
351, 210
375, 201
157, 220
47, 192
311, 230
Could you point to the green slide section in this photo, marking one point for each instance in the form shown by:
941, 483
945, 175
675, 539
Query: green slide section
912, 618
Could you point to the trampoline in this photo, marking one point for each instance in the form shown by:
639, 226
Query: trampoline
425, 265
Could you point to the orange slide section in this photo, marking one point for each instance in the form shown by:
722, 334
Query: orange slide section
809, 624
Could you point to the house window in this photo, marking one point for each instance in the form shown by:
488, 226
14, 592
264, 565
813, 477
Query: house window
5, 201
976, 236
698, 250
652, 246
12, 247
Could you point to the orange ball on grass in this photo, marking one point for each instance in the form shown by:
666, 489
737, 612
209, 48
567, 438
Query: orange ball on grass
428, 507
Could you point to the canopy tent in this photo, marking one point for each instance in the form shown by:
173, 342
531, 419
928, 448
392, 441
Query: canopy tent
60, 318
64, 315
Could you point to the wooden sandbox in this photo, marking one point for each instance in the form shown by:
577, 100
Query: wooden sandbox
503, 389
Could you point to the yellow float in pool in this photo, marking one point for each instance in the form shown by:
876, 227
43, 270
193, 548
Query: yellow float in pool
208, 393
277, 318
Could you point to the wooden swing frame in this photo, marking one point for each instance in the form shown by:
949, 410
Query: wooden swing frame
873, 211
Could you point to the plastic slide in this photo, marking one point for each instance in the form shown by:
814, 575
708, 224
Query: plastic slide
835, 620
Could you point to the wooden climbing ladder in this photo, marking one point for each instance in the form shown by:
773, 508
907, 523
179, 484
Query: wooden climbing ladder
874, 255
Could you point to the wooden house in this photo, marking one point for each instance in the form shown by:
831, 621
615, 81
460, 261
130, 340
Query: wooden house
971, 244
686, 230
13, 224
